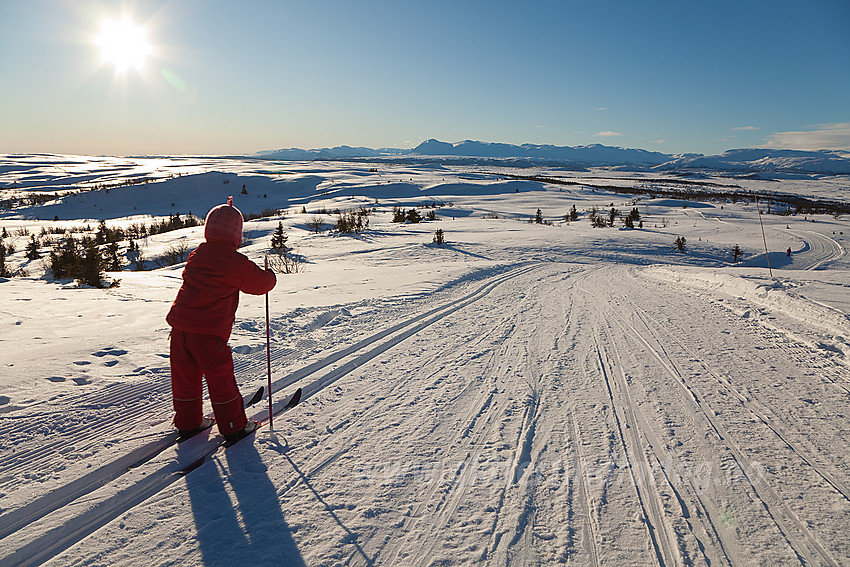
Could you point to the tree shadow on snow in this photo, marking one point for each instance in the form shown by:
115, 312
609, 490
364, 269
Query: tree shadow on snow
251, 531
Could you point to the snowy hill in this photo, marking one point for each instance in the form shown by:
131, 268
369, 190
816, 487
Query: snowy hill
534, 391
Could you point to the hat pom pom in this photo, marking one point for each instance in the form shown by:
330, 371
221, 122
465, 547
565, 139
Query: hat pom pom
230, 201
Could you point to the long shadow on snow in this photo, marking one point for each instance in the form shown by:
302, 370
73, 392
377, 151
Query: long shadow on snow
350, 537
262, 537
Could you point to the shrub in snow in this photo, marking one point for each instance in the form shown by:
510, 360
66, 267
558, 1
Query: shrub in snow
353, 222
402, 215
680, 243
316, 223
596, 220
174, 254
280, 260
438, 237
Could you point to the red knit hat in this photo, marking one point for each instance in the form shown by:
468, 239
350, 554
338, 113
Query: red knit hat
224, 224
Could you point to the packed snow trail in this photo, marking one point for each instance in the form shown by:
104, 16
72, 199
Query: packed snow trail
555, 420
556, 413
817, 251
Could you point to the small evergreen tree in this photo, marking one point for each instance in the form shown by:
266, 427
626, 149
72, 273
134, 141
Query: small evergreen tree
438, 237
736, 253
538, 217
612, 216
413, 216
91, 265
64, 259
279, 239
112, 262
680, 243
573, 213
4, 271
632, 217
33, 248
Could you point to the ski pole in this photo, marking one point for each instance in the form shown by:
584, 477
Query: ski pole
269, 358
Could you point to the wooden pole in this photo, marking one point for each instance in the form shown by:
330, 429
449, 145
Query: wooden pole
269, 357
763, 237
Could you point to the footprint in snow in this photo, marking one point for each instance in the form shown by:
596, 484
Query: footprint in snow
4, 400
56, 378
109, 351
82, 381
110, 363
81, 362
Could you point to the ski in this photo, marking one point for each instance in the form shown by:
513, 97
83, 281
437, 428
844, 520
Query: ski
293, 400
222, 445
258, 395
209, 421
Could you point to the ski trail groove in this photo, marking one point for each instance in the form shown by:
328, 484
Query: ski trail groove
639, 467
745, 401
590, 541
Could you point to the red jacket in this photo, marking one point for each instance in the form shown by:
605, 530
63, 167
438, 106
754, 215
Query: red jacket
215, 273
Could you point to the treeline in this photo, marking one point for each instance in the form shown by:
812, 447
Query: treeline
106, 234
776, 203
32, 199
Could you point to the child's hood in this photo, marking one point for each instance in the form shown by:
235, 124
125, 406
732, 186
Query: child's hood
224, 224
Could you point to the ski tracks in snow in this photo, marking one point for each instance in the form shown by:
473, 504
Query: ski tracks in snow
554, 413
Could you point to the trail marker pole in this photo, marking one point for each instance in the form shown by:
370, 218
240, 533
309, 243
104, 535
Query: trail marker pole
763, 237
269, 359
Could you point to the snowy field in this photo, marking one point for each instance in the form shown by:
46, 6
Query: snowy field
525, 394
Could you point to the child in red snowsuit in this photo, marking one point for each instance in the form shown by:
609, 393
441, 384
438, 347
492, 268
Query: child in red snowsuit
202, 318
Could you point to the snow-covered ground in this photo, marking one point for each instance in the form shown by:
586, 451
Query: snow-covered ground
525, 394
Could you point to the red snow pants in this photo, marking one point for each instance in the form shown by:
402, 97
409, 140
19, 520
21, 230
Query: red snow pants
193, 357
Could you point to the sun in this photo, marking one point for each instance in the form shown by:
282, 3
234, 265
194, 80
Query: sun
123, 44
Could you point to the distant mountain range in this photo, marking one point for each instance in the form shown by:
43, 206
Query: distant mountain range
750, 160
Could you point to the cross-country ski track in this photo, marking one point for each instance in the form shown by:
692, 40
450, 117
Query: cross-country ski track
549, 413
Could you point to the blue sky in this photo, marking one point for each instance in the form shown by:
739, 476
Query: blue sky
229, 77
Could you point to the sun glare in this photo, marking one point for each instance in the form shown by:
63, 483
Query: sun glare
123, 44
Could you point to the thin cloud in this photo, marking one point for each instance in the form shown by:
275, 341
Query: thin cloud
835, 136
602, 108
746, 128
608, 133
